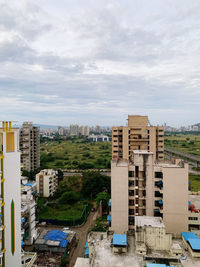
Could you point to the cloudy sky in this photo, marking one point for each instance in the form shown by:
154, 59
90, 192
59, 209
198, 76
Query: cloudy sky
96, 61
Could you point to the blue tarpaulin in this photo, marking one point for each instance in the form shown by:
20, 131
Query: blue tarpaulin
86, 252
29, 184
22, 220
194, 243
158, 265
188, 235
109, 218
109, 203
86, 244
22, 243
119, 240
55, 235
63, 243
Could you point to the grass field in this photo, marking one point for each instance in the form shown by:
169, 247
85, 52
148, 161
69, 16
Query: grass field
63, 212
75, 154
188, 143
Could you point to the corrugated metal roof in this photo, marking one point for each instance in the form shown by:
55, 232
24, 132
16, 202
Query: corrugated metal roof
194, 243
188, 235
120, 240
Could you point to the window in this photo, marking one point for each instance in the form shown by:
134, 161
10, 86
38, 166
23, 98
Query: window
131, 183
193, 218
158, 175
131, 192
136, 171
130, 174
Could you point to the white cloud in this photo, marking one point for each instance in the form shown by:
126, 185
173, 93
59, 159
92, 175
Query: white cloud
93, 61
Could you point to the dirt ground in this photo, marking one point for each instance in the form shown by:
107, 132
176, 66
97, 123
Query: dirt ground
81, 236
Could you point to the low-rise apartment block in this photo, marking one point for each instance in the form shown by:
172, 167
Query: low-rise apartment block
28, 206
138, 135
47, 182
143, 187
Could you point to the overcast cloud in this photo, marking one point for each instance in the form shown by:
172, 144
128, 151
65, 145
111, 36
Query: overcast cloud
94, 62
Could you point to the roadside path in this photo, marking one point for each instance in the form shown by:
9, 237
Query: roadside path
81, 236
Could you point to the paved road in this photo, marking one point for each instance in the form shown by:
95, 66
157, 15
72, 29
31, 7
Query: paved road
81, 236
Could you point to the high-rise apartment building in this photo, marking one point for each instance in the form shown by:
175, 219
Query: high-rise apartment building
74, 130
30, 146
84, 130
47, 182
138, 135
10, 222
141, 186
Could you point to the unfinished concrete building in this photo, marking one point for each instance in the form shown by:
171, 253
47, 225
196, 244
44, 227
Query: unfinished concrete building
30, 146
138, 135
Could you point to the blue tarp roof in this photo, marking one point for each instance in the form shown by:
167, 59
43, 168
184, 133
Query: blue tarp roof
194, 243
187, 235
86, 244
109, 203
55, 235
120, 240
87, 251
29, 184
63, 243
109, 217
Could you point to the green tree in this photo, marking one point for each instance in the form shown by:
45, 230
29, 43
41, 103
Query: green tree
104, 197
70, 197
93, 183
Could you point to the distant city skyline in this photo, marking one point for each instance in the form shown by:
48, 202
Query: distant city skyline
95, 62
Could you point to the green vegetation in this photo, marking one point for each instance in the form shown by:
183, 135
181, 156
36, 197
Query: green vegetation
73, 195
195, 182
101, 225
188, 143
93, 183
75, 153
104, 197
63, 212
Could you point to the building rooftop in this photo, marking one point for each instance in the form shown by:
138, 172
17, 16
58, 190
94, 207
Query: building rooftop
119, 240
194, 243
149, 221
189, 235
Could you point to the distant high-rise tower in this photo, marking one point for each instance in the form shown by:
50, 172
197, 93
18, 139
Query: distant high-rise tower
10, 229
74, 130
138, 135
30, 146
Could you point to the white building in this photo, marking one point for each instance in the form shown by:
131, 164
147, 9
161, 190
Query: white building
28, 195
47, 182
10, 229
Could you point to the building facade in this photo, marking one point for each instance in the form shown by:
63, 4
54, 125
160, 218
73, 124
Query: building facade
11, 253
28, 206
47, 182
74, 130
138, 135
30, 146
142, 187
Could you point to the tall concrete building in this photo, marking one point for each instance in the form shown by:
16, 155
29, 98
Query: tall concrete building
138, 135
74, 130
141, 186
84, 130
30, 146
10, 189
